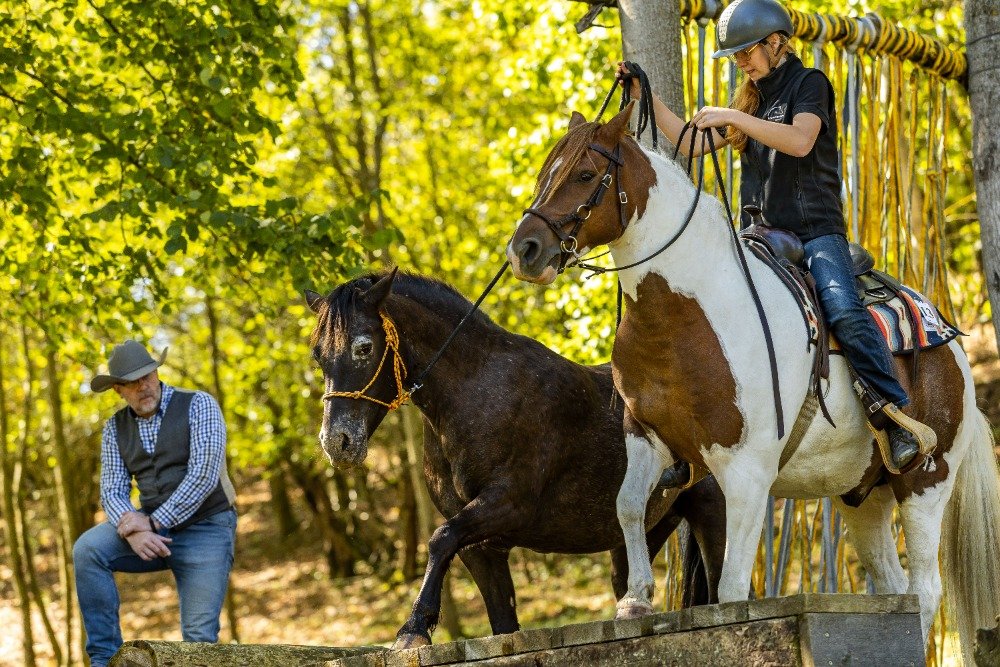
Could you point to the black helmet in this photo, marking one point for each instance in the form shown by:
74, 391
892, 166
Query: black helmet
745, 22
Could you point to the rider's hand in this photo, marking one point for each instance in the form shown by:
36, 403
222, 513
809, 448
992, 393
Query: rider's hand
149, 545
712, 117
634, 90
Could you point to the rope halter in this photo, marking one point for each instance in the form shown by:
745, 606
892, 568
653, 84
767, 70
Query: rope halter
398, 369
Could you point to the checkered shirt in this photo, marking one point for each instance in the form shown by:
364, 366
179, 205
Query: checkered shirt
208, 450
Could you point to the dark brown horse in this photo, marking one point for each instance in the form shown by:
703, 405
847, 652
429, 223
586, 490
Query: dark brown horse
522, 446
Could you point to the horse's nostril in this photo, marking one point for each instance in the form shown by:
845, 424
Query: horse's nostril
529, 250
345, 442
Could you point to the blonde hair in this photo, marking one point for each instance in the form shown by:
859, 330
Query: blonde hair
747, 99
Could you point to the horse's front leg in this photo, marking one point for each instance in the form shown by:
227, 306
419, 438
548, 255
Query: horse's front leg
745, 482
645, 464
489, 514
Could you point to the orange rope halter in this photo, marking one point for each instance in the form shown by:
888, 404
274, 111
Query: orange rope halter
399, 370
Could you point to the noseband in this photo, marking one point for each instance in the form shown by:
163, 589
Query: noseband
398, 369
567, 242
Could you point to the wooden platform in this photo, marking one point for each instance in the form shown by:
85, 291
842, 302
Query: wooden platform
808, 630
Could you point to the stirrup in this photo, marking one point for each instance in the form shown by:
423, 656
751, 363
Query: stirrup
925, 436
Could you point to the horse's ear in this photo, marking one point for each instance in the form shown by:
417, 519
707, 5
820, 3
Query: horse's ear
313, 299
612, 131
377, 293
576, 119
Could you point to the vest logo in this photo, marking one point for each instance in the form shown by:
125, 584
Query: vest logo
776, 113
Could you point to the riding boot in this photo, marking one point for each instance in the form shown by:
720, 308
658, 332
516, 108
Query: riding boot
676, 476
903, 444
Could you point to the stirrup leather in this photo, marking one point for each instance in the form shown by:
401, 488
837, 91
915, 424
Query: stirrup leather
925, 436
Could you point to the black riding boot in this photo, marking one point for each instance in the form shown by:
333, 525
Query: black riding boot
903, 445
675, 477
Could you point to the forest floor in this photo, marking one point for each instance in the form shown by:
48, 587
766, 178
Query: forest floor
283, 594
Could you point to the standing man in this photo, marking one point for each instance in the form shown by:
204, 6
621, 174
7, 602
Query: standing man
172, 442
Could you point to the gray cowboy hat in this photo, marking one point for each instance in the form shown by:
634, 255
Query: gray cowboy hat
129, 361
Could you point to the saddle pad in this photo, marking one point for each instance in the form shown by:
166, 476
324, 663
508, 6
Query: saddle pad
895, 319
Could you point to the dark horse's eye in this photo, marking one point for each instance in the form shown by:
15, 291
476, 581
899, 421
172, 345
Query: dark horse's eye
362, 349
587, 176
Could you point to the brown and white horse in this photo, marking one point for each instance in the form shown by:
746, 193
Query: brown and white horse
691, 363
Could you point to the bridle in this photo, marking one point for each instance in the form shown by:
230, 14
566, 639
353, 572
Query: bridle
568, 245
398, 370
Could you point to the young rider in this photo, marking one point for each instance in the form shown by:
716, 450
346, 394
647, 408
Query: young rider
783, 122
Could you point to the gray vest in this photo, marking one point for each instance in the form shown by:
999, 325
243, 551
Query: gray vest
158, 475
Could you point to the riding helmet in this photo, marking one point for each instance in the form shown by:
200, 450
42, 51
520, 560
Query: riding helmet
745, 22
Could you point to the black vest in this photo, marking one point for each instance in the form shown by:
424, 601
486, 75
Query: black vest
800, 194
158, 475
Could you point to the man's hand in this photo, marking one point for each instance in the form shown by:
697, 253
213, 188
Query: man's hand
149, 545
132, 522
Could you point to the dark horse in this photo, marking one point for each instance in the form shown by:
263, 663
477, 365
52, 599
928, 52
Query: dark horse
522, 447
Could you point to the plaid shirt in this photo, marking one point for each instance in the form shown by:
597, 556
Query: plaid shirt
208, 450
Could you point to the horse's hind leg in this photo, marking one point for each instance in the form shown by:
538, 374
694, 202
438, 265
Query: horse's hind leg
704, 507
641, 474
869, 527
921, 515
491, 572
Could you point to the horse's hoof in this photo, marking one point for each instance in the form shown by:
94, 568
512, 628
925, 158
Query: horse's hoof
410, 641
633, 609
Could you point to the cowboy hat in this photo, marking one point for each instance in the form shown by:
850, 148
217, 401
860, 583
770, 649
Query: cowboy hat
129, 361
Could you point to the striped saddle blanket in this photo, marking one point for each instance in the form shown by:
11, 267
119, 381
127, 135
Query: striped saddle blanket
906, 318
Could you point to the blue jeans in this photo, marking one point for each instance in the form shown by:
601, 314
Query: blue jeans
201, 556
829, 260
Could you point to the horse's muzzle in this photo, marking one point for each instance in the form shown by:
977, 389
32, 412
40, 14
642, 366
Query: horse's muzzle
531, 261
344, 446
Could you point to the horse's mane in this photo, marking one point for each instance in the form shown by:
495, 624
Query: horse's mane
571, 148
439, 297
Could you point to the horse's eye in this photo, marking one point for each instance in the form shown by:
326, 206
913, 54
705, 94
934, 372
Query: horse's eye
587, 176
362, 349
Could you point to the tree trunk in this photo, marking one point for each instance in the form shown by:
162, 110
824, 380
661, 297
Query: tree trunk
8, 502
982, 33
651, 37
409, 522
213, 328
150, 653
280, 502
65, 499
25, 533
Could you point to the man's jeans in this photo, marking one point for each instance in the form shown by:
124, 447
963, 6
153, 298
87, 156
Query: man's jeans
201, 556
829, 260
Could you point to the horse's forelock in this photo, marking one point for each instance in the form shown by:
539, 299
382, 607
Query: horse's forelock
336, 308
571, 149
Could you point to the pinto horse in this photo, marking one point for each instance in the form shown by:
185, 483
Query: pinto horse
522, 447
690, 362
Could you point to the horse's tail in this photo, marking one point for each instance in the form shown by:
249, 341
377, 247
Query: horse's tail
970, 538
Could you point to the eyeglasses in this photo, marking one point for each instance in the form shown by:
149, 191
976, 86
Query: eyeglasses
744, 54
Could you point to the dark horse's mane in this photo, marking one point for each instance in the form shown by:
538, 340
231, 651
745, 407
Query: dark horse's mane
439, 297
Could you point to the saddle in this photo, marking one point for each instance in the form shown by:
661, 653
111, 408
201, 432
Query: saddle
905, 317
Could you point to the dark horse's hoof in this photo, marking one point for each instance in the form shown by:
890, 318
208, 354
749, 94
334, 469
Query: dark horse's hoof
410, 640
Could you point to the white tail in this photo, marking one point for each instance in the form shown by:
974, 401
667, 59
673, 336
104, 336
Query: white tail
970, 539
